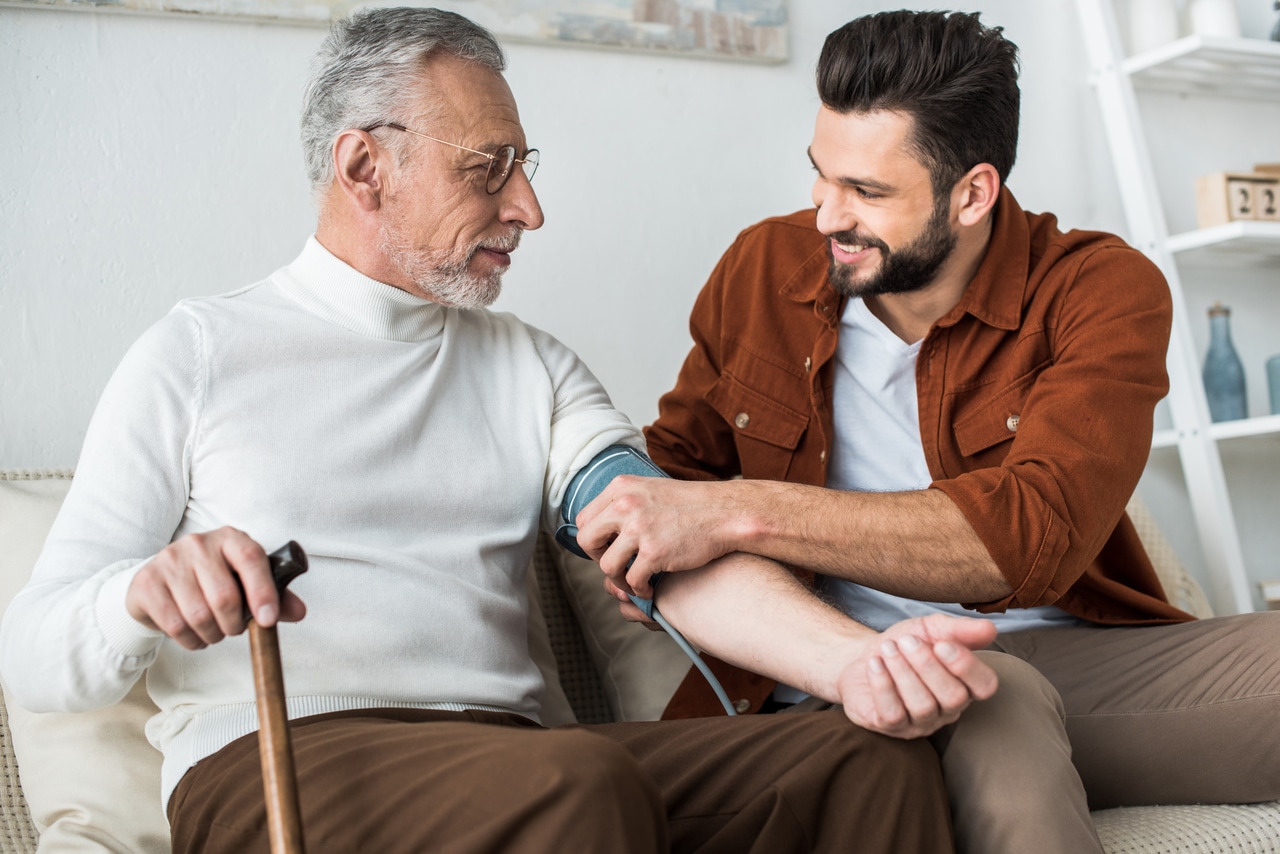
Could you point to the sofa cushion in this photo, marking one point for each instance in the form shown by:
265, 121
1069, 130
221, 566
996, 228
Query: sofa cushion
18, 833
29, 501
92, 780
1182, 590
1190, 829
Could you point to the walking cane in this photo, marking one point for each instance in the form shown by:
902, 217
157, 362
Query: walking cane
279, 780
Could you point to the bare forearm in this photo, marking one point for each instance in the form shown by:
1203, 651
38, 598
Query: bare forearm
906, 682
913, 544
754, 614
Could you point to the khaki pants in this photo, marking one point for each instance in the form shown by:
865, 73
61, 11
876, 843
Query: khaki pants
390, 780
1092, 717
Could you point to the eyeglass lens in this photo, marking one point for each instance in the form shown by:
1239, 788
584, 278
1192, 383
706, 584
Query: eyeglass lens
500, 167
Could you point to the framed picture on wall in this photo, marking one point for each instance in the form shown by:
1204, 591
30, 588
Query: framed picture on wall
743, 30
750, 30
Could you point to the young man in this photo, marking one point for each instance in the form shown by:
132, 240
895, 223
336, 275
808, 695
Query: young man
940, 403
363, 402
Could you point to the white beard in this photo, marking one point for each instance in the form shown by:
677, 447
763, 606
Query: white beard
439, 277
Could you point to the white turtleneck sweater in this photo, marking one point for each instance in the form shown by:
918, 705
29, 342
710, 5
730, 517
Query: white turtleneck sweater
412, 450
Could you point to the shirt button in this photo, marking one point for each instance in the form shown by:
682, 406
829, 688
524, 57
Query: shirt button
741, 706
742, 420
808, 363
822, 457
1012, 423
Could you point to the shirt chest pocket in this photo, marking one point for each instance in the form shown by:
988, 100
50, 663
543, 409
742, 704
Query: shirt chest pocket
766, 432
989, 417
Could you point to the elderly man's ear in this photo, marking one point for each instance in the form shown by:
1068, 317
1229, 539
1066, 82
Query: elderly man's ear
360, 166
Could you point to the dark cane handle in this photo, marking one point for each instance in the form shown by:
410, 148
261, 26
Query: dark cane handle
287, 563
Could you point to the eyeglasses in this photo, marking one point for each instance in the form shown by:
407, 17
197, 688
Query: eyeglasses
500, 163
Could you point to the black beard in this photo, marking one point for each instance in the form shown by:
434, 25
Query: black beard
908, 269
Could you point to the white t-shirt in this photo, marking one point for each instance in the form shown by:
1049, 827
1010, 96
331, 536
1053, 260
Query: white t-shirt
877, 448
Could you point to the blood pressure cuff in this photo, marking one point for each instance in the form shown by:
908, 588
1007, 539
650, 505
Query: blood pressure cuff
589, 482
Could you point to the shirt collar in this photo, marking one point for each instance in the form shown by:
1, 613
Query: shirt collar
809, 282
994, 295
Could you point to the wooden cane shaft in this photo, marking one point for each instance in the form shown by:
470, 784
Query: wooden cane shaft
279, 780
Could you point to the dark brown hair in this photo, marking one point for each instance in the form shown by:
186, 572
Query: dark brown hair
956, 78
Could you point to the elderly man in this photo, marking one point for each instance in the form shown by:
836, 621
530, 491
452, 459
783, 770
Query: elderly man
361, 401
935, 398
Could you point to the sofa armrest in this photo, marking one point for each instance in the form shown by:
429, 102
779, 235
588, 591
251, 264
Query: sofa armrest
18, 833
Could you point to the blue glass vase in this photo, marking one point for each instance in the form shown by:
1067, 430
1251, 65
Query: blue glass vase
1273, 380
1223, 372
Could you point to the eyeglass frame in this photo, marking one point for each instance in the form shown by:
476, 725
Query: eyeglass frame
493, 158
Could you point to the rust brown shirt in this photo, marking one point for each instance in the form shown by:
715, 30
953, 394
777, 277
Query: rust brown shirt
1035, 392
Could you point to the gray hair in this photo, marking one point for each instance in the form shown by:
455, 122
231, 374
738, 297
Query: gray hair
364, 72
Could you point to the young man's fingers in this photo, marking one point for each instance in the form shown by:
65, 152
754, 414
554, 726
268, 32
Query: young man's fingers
614, 562
638, 576
633, 614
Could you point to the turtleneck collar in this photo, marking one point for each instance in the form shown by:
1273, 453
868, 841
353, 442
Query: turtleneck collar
342, 295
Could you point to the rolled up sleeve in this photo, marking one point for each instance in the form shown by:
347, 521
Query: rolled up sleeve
1080, 421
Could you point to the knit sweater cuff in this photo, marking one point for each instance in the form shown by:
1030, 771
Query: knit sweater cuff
123, 633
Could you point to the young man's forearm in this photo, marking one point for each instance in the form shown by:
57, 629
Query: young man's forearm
914, 544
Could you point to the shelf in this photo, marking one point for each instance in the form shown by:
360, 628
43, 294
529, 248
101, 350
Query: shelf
1164, 439
1210, 65
1197, 71
1235, 244
1265, 425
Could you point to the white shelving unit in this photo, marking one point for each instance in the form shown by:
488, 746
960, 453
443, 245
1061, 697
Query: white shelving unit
1196, 66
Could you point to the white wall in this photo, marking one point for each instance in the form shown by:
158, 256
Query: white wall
150, 158
144, 159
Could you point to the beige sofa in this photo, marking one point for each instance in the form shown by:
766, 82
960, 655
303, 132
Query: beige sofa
90, 782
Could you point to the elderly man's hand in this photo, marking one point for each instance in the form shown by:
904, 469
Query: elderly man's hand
665, 525
189, 591
918, 675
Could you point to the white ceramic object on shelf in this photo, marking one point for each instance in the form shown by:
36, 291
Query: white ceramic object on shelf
1215, 18
1151, 24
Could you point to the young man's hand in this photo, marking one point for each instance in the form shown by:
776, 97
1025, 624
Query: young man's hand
638, 527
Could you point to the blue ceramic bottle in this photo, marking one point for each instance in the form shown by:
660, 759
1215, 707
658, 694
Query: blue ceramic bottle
1223, 372
1273, 380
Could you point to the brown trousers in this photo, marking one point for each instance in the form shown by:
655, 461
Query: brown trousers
1093, 717
393, 780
